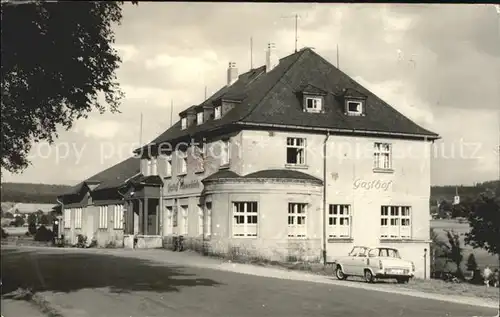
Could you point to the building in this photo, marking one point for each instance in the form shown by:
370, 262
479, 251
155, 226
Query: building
94, 207
293, 159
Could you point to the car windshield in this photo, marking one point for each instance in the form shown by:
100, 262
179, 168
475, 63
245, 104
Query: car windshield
388, 253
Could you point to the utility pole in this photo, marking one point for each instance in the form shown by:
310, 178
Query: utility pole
338, 56
140, 132
171, 110
251, 52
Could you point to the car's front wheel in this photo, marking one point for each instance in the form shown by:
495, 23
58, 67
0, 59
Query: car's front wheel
339, 273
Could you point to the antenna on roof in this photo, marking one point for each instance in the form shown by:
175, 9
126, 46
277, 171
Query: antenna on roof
251, 53
171, 110
205, 92
140, 132
296, 17
338, 56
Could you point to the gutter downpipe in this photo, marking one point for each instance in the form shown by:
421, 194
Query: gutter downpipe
324, 196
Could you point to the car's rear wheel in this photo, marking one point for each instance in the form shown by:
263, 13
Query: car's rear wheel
369, 276
339, 273
403, 280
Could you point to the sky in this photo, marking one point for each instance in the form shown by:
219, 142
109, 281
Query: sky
437, 64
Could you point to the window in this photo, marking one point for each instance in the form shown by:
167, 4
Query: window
182, 162
184, 210
296, 151
218, 112
149, 167
297, 220
67, 218
339, 221
168, 165
118, 217
78, 218
313, 104
199, 158
354, 107
382, 156
103, 217
175, 217
152, 170
395, 222
200, 220
224, 154
183, 123
208, 219
169, 225
245, 219
199, 118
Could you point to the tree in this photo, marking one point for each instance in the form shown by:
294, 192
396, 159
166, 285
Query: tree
18, 221
8, 215
44, 220
32, 221
484, 221
444, 210
57, 62
453, 251
471, 263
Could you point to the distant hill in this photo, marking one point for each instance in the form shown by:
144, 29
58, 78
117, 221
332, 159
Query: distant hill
465, 192
31, 193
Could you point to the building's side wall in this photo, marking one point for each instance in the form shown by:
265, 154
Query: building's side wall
349, 174
272, 240
108, 237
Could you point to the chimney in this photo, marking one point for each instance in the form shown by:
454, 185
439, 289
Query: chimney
271, 58
232, 73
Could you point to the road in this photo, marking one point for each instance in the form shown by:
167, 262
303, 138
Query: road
92, 284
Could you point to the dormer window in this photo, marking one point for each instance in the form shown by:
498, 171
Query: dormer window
313, 98
313, 104
183, 123
199, 118
354, 102
354, 107
218, 112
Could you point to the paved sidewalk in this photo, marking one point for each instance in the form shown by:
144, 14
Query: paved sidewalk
195, 260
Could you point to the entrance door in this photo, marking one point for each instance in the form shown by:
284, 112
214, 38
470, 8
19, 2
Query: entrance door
152, 219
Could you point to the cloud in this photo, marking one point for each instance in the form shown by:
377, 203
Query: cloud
437, 64
101, 129
127, 52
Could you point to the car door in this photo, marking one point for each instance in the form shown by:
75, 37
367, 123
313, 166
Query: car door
349, 261
360, 262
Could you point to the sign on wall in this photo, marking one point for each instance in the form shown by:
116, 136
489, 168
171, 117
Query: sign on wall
180, 185
370, 185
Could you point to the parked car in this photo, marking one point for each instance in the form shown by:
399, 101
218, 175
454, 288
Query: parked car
374, 263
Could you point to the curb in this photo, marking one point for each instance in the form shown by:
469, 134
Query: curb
308, 277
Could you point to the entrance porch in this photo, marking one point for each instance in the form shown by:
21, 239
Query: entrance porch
143, 225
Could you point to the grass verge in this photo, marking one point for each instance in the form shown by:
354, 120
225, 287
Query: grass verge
36, 299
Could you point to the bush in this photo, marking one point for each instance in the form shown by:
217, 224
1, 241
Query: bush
32, 228
4, 234
82, 241
43, 234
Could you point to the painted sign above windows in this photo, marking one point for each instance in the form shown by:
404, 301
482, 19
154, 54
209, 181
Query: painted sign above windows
372, 185
183, 185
